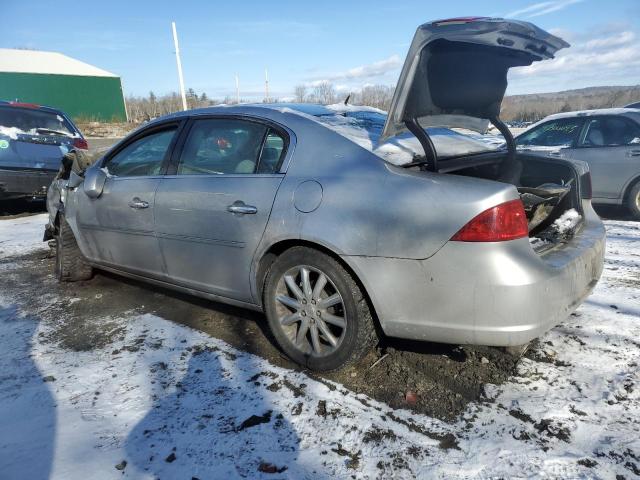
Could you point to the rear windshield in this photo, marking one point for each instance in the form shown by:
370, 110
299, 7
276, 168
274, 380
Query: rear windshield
364, 127
34, 122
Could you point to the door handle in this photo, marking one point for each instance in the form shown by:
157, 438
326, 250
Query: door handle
634, 153
241, 208
555, 154
138, 204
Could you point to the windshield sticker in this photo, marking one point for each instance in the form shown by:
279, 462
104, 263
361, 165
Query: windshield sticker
4, 144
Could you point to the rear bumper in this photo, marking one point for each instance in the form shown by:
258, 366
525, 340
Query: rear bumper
500, 294
25, 183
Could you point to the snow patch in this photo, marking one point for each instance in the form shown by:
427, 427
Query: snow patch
567, 222
19, 236
11, 132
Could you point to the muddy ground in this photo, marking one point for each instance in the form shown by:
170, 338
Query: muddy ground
436, 379
443, 378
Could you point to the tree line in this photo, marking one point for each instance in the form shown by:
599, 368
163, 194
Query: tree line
528, 108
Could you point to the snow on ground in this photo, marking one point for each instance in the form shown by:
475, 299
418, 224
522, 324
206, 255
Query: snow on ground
22, 235
173, 402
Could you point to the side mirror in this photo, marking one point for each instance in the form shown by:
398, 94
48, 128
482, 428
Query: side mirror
74, 180
94, 179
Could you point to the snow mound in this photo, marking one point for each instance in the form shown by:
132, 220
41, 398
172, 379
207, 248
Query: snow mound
567, 221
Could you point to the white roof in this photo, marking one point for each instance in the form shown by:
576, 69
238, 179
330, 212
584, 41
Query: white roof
53, 63
588, 113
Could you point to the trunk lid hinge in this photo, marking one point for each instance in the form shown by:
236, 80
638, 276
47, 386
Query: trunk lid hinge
430, 155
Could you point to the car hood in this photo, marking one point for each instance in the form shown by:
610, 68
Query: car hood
455, 73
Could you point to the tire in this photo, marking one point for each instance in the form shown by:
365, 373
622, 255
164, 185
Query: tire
339, 326
70, 265
633, 201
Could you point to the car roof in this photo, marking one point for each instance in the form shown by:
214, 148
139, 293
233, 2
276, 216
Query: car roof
313, 109
589, 113
32, 106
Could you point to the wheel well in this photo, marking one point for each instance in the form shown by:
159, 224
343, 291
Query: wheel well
279, 248
627, 192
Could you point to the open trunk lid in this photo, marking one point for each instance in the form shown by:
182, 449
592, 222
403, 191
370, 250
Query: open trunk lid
455, 73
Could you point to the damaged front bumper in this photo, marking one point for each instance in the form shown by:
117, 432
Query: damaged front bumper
30, 184
500, 294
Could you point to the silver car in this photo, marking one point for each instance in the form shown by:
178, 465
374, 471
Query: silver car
341, 225
608, 140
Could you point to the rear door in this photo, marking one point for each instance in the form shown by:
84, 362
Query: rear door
212, 211
118, 226
611, 146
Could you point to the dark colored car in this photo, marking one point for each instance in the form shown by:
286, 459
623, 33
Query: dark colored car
33, 140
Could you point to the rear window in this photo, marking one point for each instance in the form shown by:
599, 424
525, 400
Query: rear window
364, 127
34, 122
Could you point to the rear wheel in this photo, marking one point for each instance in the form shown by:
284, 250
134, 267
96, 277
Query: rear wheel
633, 201
318, 314
71, 265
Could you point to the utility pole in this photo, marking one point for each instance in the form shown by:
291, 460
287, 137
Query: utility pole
175, 42
266, 85
237, 89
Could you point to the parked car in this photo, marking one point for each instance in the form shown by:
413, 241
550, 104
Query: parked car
633, 105
608, 140
33, 140
297, 211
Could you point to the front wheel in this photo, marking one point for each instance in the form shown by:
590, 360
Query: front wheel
71, 265
317, 312
633, 202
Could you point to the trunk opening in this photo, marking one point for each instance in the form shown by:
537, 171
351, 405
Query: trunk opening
549, 190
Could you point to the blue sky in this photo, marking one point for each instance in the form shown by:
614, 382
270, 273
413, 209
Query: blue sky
351, 43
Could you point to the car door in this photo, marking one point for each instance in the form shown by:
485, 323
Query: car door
611, 146
212, 211
118, 226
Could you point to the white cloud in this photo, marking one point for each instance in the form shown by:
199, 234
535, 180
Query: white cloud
542, 8
599, 59
371, 70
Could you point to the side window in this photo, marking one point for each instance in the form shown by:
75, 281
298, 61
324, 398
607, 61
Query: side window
142, 157
272, 153
610, 132
555, 133
220, 146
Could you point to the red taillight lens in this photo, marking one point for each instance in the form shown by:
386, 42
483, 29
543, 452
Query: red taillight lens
81, 143
506, 221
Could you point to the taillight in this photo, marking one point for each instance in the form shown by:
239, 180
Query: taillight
81, 143
506, 221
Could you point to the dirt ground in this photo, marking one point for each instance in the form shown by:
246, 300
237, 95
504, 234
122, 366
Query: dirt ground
444, 378
436, 379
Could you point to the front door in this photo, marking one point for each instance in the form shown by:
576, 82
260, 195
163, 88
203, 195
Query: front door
211, 213
611, 147
118, 226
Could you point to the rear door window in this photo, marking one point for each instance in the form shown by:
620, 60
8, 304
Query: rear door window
230, 147
555, 133
610, 132
143, 156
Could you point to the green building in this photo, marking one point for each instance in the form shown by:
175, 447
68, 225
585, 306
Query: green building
82, 91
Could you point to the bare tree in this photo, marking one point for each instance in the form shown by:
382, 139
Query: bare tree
300, 92
324, 93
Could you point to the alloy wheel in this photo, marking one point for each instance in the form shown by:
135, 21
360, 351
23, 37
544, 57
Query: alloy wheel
310, 311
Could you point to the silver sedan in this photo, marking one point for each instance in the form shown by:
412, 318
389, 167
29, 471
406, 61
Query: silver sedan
343, 223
